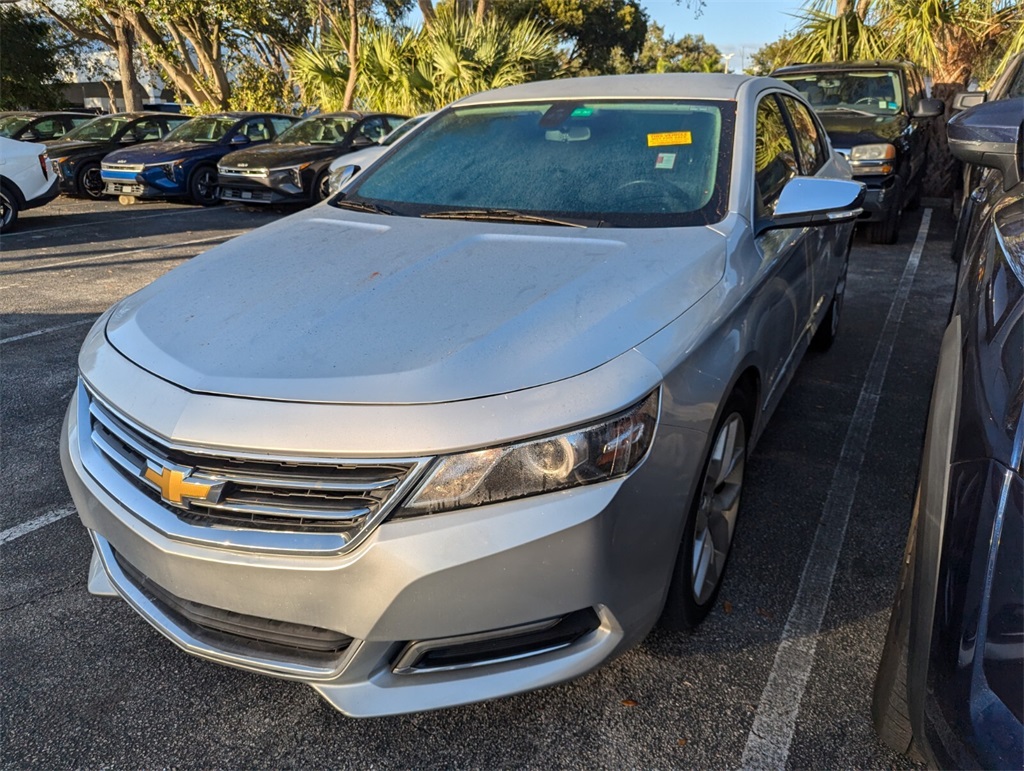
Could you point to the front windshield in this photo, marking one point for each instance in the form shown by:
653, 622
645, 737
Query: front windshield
871, 92
318, 130
613, 163
12, 124
210, 128
99, 129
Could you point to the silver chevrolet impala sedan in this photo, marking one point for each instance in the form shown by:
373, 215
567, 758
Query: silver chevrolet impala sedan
476, 424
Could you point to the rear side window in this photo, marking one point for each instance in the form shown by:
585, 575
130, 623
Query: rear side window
809, 142
281, 124
774, 156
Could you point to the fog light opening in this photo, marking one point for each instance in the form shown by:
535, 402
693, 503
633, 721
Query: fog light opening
496, 646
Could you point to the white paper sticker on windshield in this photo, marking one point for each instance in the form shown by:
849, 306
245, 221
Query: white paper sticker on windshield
665, 161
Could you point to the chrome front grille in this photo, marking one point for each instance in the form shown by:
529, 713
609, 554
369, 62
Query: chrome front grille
132, 167
250, 492
239, 172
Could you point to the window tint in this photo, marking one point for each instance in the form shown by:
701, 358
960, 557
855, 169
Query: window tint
373, 128
257, 129
281, 124
148, 130
774, 156
812, 155
48, 128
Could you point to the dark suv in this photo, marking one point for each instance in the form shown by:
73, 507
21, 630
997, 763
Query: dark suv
873, 113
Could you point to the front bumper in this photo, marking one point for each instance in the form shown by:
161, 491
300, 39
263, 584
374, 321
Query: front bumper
880, 197
608, 549
149, 183
279, 186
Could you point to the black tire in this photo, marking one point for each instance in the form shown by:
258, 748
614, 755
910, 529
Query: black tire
887, 230
89, 182
8, 210
693, 592
322, 186
202, 186
890, 711
829, 329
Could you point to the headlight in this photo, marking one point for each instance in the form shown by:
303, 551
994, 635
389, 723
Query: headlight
583, 456
876, 159
880, 152
169, 168
294, 173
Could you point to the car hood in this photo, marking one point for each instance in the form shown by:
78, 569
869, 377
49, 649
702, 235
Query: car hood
61, 147
847, 129
273, 155
162, 152
341, 307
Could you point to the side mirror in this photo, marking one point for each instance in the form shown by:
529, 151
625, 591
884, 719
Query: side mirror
238, 140
340, 176
965, 100
128, 139
989, 135
361, 140
930, 108
28, 136
808, 201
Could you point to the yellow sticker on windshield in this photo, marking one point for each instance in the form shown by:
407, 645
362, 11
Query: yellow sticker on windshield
669, 138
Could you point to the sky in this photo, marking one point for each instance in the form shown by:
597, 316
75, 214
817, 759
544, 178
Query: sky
737, 27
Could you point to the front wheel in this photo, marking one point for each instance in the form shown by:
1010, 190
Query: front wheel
202, 186
90, 183
8, 210
829, 329
322, 186
708, 532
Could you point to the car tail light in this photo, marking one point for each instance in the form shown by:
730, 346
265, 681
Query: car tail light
42, 165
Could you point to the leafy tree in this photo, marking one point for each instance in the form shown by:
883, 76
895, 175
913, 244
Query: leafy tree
836, 31
30, 58
414, 70
690, 53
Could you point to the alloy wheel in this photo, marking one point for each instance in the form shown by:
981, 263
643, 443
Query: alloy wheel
717, 508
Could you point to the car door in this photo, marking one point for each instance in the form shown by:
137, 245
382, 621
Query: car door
785, 271
917, 138
824, 255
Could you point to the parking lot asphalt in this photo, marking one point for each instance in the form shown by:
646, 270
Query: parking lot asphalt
85, 682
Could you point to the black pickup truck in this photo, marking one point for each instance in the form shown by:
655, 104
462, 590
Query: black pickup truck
873, 113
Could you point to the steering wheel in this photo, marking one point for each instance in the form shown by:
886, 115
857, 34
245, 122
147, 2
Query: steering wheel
868, 100
668, 197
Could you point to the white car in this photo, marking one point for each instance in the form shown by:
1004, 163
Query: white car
363, 158
25, 180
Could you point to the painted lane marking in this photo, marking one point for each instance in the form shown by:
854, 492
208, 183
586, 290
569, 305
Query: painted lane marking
209, 240
13, 533
46, 331
101, 224
771, 734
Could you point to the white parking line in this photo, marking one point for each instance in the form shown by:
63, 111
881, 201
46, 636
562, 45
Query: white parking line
32, 525
47, 330
210, 240
103, 224
770, 736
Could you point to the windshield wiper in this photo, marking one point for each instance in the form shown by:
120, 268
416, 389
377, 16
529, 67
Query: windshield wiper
367, 206
499, 215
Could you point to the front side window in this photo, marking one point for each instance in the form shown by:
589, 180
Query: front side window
869, 92
318, 130
774, 156
100, 129
614, 163
147, 130
208, 129
812, 154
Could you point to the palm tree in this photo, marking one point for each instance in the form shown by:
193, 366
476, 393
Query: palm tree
835, 31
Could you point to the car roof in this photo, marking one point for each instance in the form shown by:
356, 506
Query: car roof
240, 114
860, 64
682, 85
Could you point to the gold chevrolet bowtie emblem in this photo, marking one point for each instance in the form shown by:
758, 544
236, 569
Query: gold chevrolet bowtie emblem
175, 484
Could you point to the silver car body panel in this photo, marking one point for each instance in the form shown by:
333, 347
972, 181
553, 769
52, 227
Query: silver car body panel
334, 334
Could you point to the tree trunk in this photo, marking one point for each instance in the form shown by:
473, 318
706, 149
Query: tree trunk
134, 94
353, 55
482, 6
862, 9
111, 95
427, 9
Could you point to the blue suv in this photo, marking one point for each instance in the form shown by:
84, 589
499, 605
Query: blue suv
184, 163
